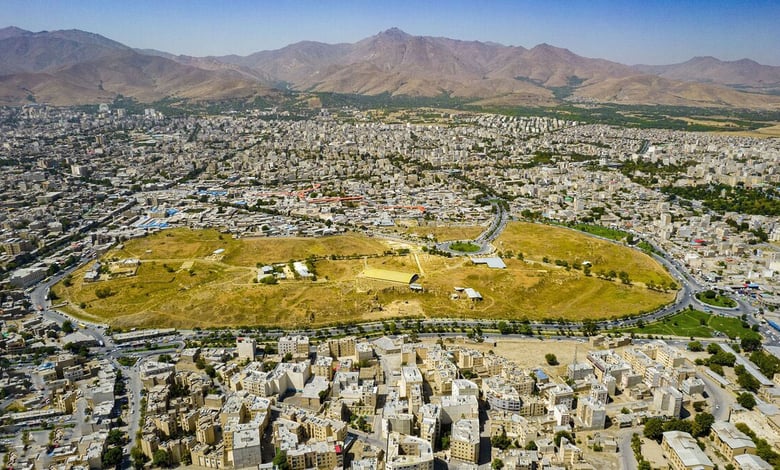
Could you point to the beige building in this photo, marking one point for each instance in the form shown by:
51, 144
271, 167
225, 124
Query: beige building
464, 442
207, 456
684, 453
591, 414
730, 441
323, 367
430, 423
320, 455
342, 347
206, 432
408, 453
751, 462
295, 345
246, 348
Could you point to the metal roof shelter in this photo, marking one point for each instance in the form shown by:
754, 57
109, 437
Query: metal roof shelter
493, 262
472, 294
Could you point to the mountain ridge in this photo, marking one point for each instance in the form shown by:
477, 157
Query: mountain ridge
87, 67
742, 73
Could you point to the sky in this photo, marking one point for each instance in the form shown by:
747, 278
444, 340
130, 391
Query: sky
627, 31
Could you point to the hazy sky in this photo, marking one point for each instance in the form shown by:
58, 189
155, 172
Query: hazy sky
627, 31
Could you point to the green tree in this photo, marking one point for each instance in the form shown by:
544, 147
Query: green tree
551, 359
161, 458
678, 425
748, 382
723, 358
502, 442
115, 438
280, 460
112, 457
695, 346
747, 400
561, 434
767, 363
654, 429
750, 342
103, 292
445, 441
67, 327
497, 464
702, 424
590, 328
763, 448
138, 457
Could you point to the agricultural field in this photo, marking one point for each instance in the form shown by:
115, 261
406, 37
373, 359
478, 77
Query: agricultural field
204, 278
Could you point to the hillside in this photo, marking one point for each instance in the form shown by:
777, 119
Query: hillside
742, 74
74, 67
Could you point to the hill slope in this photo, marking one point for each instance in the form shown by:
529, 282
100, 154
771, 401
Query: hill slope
73, 67
742, 74
397, 63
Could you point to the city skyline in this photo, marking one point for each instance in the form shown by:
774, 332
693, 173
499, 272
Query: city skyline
659, 32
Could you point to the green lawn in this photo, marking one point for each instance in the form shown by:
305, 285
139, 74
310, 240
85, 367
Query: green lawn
465, 247
598, 230
694, 323
716, 301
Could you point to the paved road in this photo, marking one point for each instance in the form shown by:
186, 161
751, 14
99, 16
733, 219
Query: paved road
134, 388
627, 459
484, 240
719, 399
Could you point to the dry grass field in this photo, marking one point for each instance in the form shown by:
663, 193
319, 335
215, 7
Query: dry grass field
446, 234
186, 244
763, 132
181, 283
536, 241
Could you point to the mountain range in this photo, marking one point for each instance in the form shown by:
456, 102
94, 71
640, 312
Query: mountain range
77, 67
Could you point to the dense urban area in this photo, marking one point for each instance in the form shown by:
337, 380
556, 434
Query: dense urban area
694, 384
